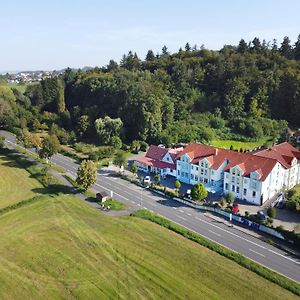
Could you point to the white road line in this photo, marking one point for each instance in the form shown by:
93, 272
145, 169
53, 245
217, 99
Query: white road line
189, 214
181, 217
174, 207
132, 201
256, 252
288, 258
181, 210
217, 234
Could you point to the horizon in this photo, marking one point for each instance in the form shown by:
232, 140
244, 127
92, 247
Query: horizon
54, 36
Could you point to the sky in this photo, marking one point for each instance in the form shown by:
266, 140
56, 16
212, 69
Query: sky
54, 34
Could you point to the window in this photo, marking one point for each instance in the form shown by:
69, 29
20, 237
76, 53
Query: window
192, 176
233, 171
205, 180
202, 164
167, 158
196, 178
197, 168
245, 192
205, 172
212, 172
227, 175
201, 171
254, 194
226, 186
238, 189
233, 188
232, 179
245, 180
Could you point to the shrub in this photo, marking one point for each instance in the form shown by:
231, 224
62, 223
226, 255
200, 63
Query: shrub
271, 212
230, 198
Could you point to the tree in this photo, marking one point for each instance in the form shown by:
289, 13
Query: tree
177, 185
242, 47
157, 179
199, 192
86, 174
271, 212
165, 51
36, 141
50, 146
187, 47
230, 198
119, 159
150, 56
297, 49
133, 169
223, 202
23, 137
256, 45
107, 128
83, 124
116, 142
286, 49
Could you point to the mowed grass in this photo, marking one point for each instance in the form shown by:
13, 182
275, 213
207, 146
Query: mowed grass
58, 247
62, 248
15, 183
237, 145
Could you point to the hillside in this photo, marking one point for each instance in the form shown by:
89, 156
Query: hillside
58, 247
246, 92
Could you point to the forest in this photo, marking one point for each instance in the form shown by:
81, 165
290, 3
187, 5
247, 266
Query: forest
242, 92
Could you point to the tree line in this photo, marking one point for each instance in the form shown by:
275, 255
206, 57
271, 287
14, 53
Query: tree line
245, 92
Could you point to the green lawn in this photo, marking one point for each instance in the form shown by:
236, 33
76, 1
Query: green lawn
15, 183
114, 204
237, 145
21, 87
58, 247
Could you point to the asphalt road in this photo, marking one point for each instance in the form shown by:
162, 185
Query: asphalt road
190, 218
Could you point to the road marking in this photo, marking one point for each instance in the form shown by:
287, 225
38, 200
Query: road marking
132, 201
181, 217
174, 207
181, 210
288, 258
189, 214
217, 234
256, 252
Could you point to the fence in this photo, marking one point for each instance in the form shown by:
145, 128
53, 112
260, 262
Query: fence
234, 217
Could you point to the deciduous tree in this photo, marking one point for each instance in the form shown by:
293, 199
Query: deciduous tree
86, 174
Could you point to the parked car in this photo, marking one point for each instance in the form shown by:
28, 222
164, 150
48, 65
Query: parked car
261, 215
147, 179
235, 208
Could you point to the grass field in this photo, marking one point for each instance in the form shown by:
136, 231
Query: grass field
237, 145
59, 247
15, 183
114, 204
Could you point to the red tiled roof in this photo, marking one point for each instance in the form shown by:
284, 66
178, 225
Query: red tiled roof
155, 163
156, 152
284, 153
217, 156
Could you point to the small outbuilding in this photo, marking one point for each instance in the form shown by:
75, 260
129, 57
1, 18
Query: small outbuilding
102, 196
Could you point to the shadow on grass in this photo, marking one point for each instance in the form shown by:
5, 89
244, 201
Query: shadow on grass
54, 189
91, 199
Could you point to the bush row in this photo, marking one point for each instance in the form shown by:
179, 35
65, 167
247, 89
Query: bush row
236, 257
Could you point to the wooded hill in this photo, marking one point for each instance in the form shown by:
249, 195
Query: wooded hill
242, 92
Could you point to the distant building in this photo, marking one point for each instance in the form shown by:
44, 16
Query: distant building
253, 177
159, 160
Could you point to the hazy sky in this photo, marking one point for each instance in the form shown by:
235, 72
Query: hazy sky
54, 34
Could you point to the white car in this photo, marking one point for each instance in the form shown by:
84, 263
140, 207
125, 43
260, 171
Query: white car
147, 179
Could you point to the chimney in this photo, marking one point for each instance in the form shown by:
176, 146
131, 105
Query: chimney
216, 152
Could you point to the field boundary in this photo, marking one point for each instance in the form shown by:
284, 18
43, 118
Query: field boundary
247, 263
